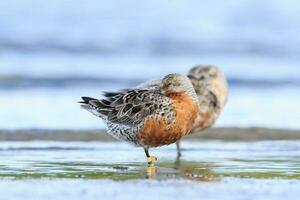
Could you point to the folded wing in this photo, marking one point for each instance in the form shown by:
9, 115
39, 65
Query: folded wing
128, 107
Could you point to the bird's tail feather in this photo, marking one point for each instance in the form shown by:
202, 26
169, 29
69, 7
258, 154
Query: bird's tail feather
95, 106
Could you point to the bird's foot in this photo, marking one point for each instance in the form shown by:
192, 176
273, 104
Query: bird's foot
151, 160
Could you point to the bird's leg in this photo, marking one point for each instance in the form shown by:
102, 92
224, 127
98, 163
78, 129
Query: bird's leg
150, 159
178, 149
151, 169
177, 161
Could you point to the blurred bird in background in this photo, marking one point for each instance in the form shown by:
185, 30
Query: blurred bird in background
212, 90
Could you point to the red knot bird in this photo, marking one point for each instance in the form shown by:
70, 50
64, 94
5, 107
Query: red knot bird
211, 88
149, 116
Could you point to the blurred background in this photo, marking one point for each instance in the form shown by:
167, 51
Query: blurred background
54, 52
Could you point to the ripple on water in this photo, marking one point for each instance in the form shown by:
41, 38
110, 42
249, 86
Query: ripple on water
202, 161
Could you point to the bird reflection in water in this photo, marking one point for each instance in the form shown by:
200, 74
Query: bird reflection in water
182, 169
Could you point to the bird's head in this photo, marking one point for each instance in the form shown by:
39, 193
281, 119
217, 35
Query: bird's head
205, 72
176, 83
209, 77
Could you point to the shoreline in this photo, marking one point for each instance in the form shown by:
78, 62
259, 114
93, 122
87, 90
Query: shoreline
224, 134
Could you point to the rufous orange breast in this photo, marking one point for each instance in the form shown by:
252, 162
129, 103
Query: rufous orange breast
157, 132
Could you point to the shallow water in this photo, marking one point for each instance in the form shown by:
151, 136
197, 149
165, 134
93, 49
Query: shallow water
210, 169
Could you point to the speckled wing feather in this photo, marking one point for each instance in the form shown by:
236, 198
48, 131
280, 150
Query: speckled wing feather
129, 107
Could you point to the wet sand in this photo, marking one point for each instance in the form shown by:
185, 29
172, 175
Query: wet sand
226, 134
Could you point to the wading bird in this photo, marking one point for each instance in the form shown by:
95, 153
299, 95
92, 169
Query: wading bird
149, 117
212, 90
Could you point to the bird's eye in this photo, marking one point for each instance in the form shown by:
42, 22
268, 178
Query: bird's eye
201, 77
169, 84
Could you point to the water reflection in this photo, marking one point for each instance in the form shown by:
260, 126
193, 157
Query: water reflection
264, 160
125, 171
